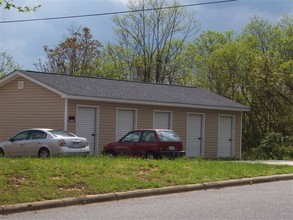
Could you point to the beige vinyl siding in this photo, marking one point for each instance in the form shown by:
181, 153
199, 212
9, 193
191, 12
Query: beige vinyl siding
33, 106
107, 123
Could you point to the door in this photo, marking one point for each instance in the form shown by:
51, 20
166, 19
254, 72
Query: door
35, 141
130, 144
194, 135
225, 138
87, 119
125, 122
16, 146
162, 120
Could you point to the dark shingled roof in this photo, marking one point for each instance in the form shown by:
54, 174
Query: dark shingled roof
92, 87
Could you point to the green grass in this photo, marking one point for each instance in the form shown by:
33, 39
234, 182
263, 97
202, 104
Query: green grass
33, 179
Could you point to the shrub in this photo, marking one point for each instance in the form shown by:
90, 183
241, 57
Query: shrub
274, 146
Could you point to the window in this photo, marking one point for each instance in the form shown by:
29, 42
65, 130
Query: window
61, 133
148, 136
36, 135
132, 137
168, 136
21, 136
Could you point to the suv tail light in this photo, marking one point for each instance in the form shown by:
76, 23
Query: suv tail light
61, 142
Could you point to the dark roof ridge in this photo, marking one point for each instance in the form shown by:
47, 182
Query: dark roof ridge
104, 78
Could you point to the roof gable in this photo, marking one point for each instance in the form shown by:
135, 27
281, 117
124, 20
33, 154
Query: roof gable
92, 88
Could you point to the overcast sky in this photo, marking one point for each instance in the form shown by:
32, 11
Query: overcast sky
24, 41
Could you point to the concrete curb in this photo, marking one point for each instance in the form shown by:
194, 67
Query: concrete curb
9, 209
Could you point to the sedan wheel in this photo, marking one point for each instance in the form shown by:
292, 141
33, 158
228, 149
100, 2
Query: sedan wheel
44, 153
1, 153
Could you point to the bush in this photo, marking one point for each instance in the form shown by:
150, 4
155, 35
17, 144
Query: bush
274, 146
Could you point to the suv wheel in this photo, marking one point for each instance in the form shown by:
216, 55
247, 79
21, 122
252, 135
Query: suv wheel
110, 153
150, 155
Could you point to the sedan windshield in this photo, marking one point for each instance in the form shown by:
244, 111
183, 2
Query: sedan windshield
61, 133
168, 136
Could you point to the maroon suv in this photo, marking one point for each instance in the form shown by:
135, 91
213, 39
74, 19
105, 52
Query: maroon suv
150, 143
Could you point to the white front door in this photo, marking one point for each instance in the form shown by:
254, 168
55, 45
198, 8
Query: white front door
162, 120
225, 138
87, 119
194, 134
126, 122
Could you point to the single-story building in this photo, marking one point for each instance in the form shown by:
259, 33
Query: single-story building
103, 110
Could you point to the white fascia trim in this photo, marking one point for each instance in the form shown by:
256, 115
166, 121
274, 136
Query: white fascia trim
123, 101
8, 78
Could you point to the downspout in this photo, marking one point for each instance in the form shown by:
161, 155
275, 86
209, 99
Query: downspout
240, 135
65, 114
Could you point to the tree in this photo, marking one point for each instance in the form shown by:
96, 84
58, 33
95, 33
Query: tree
150, 41
253, 68
8, 4
7, 64
77, 54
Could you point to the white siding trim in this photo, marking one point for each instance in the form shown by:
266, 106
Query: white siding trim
65, 114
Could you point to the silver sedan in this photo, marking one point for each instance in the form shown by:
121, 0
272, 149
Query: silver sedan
44, 143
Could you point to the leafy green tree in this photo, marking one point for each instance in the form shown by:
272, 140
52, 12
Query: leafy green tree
7, 64
253, 68
270, 82
77, 54
9, 4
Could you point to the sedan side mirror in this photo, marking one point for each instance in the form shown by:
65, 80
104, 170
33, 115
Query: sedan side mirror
10, 139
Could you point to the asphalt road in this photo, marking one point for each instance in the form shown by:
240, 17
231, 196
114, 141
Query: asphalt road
266, 201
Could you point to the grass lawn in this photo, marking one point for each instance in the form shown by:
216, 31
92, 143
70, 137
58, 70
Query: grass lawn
32, 179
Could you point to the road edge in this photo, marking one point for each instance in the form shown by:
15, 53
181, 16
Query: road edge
47, 204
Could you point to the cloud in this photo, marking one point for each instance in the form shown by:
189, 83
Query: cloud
24, 41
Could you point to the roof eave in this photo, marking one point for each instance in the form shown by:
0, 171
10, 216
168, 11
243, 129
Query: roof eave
124, 101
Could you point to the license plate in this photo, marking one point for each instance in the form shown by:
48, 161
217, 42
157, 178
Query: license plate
171, 148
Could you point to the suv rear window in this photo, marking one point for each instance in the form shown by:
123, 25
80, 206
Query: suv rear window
61, 133
168, 136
